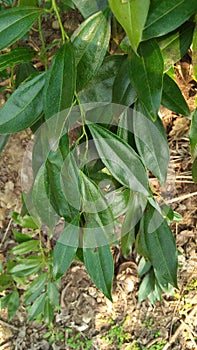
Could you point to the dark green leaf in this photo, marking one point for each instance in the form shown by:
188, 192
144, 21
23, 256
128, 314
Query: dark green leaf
13, 304
59, 96
172, 97
159, 243
99, 89
146, 74
136, 206
28, 3
100, 266
66, 248
125, 128
26, 247
27, 266
175, 45
90, 42
118, 201
3, 141
132, 16
97, 212
53, 293
69, 3
194, 50
194, 170
147, 286
70, 180
143, 266
25, 221
42, 206
121, 160
193, 134
58, 183
24, 71
151, 142
88, 7
23, 107
21, 237
16, 56
15, 22
35, 288
37, 307
123, 93
5, 281
165, 16
48, 312
127, 242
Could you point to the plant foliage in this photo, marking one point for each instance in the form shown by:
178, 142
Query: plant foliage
92, 152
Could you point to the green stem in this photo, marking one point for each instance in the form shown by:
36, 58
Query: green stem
43, 52
64, 35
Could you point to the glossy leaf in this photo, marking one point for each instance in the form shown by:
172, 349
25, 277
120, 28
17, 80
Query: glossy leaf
35, 288
88, 7
90, 42
123, 93
146, 287
24, 71
23, 107
143, 266
136, 206
118, 201
21, 237
26, 247
176, 44
125, 128
100, 266
151, 143
159, 243
146, 75
193, 134
172, 97
99, 89
53, 293
70, 180
120, 159
66, 248
16, 56
97, 212
37, 307
59, 96
55, 190
42, 207
194, 50
127, 242
3, 141
15, 22
27, 267
132, 16
165, 16
48, 312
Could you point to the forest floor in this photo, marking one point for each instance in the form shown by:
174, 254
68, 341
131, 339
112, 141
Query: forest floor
85, 313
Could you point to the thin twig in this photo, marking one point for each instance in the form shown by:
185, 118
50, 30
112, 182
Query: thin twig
181, 198
6, 232
6, 324
179, 329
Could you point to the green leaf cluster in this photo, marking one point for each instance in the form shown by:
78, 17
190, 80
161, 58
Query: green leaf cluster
93, 169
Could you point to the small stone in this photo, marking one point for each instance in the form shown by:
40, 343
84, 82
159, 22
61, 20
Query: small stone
55, 25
